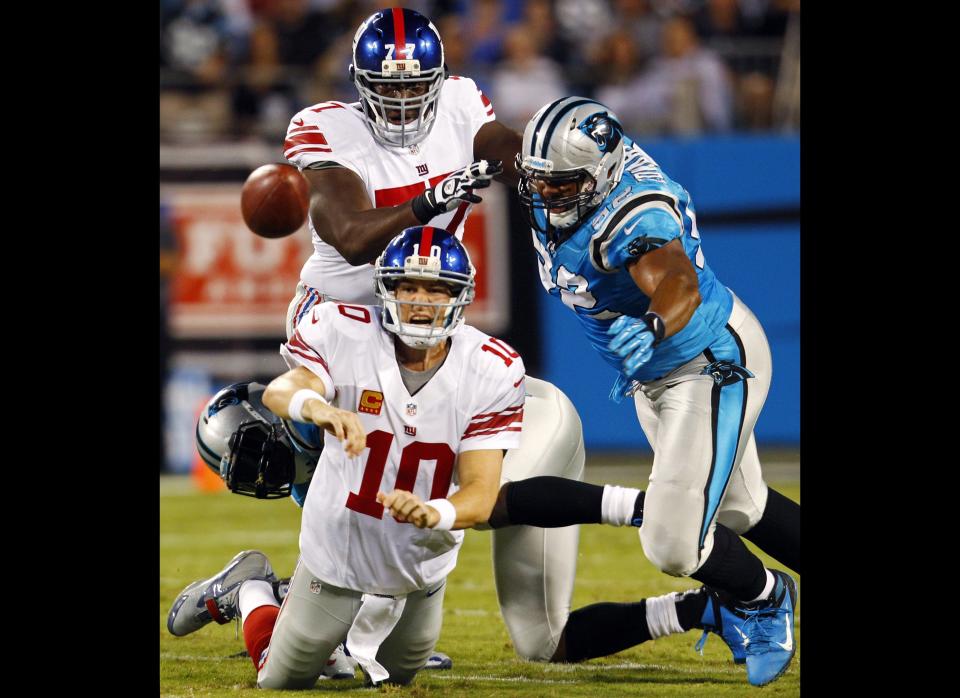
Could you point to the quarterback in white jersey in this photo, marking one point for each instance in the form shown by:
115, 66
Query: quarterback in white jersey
418, 411
419, 405
475, 402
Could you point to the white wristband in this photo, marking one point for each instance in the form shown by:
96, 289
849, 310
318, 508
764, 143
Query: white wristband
448, 513
300, 397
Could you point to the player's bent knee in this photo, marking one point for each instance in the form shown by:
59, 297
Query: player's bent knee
272, 678
536, 651
669, 555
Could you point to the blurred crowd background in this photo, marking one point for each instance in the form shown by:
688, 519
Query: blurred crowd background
236, 70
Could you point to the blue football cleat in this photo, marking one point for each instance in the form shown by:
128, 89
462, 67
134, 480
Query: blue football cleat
720, 619
768, 626
216, 598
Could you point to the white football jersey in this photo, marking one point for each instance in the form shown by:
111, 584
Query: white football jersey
337, 132
474, 401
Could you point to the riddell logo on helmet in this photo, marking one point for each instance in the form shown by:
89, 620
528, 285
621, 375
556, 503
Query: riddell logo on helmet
371, 402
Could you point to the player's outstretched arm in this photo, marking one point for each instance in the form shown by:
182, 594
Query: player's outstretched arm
289, 397
345, 218
494, 141
479, 473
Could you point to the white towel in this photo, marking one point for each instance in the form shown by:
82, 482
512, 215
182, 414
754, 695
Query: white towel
376, 619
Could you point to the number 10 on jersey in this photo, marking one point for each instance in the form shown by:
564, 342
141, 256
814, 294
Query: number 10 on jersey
365, 501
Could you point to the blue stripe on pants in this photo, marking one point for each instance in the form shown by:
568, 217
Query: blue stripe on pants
729, 403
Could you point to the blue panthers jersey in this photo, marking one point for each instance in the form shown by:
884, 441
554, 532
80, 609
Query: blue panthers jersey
307, 442
588, 271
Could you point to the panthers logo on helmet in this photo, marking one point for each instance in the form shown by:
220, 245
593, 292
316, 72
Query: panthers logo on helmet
604, 131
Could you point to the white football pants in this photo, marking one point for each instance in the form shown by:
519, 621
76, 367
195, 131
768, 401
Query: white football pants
316, 617
705, 464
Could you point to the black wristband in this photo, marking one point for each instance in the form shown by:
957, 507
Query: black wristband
655, 323
422, 208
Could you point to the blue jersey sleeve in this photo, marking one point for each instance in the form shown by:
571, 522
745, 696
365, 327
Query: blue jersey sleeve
299, 493
648, 226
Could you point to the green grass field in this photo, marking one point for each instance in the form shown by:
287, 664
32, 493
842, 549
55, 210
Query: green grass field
199, 533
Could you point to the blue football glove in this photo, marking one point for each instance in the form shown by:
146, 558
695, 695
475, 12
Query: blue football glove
632, 341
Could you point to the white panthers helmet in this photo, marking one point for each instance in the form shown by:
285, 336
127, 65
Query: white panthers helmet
573, 139
254, 451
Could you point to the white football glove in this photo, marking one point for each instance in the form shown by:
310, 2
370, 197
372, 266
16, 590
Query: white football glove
454, 189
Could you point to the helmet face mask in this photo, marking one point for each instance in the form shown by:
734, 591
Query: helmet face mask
568, 207
402, 50
416, 308
249, 446
571, 140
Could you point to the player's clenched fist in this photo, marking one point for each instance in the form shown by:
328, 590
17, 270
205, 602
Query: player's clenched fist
456, 188
406, 507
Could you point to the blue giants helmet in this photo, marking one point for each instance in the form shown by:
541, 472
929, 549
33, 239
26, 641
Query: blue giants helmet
425, 252
398, 52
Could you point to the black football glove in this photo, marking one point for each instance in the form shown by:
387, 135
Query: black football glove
454, 189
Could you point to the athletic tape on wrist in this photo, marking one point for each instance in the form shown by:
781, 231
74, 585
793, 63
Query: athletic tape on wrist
656, 325
300, 397
448, 513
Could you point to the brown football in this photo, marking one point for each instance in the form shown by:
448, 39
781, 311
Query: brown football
275, 200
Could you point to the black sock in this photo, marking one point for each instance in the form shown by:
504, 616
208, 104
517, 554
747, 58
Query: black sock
547, 501
601, 629
690, 608
638, 510
731, 567
778, 531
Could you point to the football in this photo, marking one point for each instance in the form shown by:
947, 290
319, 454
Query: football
275, 200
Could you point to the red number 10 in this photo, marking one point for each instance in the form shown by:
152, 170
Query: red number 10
365, 501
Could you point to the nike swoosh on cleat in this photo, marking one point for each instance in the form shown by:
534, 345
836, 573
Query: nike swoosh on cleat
298, 122
746, 640
788, 645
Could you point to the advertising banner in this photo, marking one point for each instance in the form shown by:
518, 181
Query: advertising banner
232, 283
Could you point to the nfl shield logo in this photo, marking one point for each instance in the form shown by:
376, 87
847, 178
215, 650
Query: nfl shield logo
411, 409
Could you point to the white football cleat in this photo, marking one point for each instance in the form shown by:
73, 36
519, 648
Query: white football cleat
339, 666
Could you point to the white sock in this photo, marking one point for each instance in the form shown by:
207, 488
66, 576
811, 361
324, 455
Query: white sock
767, 588
253, 594
662, 615
616, 507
